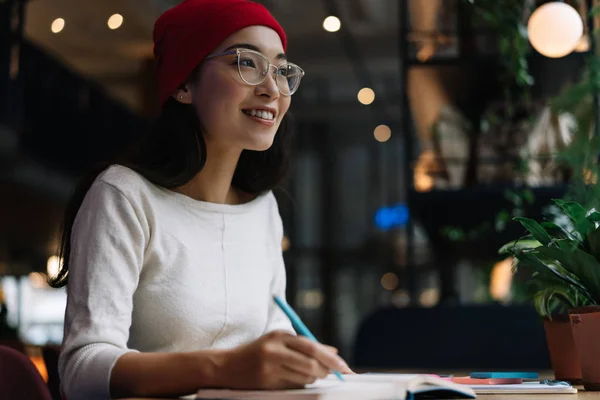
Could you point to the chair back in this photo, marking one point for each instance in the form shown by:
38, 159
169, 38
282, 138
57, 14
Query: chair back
452, 338
50, 353
19, 379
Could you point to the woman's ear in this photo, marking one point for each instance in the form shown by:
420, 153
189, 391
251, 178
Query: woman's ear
183, 94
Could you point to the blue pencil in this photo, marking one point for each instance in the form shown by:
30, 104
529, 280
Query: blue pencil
299, 325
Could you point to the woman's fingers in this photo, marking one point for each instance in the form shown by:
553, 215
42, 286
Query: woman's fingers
331, 348
303, 364
295, 377
345, 369
318, 352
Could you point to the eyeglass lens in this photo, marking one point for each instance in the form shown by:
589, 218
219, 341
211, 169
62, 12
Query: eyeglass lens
255, 67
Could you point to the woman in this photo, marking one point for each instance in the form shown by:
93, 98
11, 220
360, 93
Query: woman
173, 254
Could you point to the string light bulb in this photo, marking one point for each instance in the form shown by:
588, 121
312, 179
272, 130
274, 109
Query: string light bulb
57, 25
366, 96
332, 24
382, 133
115, 21
555, 29
389, 281
53, 266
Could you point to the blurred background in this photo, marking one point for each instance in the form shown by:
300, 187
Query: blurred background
416, 125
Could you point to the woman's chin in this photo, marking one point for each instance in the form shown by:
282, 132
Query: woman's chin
260, 144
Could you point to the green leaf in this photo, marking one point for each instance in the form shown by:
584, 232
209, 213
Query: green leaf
535, 229
558, 231
552, 297
575, 266
588, 271
454, 233
529, 196
573, 209
594, 11
513, 197
567, 245
572, 96
525, 78
593, 240
549, 267
501, 219
577, 214
593, 216
540, 304
524, 33
516, 246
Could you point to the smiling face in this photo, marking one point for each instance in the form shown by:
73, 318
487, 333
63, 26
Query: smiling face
234, 113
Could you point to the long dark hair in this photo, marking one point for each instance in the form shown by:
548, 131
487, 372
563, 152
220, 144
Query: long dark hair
170, 155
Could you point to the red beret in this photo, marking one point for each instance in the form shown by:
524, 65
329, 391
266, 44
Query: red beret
185, 34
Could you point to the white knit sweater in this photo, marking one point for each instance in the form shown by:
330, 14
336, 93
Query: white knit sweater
152, 270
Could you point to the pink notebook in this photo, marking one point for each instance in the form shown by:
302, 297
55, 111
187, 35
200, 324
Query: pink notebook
467, 380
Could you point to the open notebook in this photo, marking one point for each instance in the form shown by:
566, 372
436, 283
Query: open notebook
359, 387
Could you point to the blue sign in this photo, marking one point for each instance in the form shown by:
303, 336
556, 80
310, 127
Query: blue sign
392, 217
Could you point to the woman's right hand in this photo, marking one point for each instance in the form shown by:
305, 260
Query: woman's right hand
279, 360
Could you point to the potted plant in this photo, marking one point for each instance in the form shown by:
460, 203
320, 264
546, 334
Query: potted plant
562, 259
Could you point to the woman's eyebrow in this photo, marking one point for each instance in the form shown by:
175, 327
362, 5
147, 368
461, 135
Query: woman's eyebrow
280, 56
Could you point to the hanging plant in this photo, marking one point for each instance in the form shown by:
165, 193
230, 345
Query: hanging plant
507, 22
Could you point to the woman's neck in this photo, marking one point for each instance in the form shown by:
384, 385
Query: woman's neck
213, 183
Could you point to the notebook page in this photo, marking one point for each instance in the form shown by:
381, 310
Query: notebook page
326, 389
414, 383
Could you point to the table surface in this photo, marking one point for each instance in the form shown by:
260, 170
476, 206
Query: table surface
582, 394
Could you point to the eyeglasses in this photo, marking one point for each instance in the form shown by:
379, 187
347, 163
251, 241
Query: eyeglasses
253, 68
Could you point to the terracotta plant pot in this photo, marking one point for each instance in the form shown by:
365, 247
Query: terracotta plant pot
585, 324
563, 354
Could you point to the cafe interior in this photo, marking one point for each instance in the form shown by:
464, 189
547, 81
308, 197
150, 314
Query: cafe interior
434, 141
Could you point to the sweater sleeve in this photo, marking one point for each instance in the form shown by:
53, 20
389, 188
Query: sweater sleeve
277, 319
107, 247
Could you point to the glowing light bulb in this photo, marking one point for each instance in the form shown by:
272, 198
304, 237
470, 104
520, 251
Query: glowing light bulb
53, 265
382, 133
389, 281
366, 96
332, 24
57, 25
115, 21
555, 29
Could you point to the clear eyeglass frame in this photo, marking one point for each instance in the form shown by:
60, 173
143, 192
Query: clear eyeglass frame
286, 64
